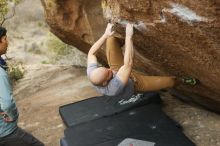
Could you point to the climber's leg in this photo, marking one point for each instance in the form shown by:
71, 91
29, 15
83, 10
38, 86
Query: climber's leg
152, 83
114, 53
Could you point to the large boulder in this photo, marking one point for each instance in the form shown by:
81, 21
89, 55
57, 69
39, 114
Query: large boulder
180, 37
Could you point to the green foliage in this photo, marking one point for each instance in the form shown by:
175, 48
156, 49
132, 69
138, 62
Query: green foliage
16, 1
40, 24
4, 8
58, 47
16, 72
45, 62
61, 53
34, 48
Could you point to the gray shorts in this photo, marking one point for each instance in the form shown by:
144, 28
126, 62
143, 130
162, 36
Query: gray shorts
20, 138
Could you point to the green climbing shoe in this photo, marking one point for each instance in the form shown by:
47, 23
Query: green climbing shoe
189, 81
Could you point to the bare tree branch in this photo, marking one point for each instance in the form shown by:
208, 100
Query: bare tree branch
9, 17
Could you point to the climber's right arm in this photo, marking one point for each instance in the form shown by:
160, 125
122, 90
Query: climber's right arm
93, 50
125, 71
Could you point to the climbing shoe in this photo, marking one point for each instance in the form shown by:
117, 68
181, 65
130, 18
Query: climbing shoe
190, 81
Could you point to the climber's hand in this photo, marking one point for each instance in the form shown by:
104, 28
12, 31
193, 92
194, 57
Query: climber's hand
108, 30
129, 30
5, 117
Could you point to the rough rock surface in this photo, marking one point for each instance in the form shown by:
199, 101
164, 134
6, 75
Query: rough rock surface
176, 37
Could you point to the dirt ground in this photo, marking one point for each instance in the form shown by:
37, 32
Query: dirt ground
200, 125
40, 94
46, 87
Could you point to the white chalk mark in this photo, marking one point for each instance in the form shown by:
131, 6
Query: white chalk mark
186, 14
123, 22
183, 12
140, 26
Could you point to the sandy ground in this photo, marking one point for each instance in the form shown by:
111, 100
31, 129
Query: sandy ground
200, 125
40, 94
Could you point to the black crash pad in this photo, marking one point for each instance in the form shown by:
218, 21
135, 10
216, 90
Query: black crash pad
148, 125
102, 106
